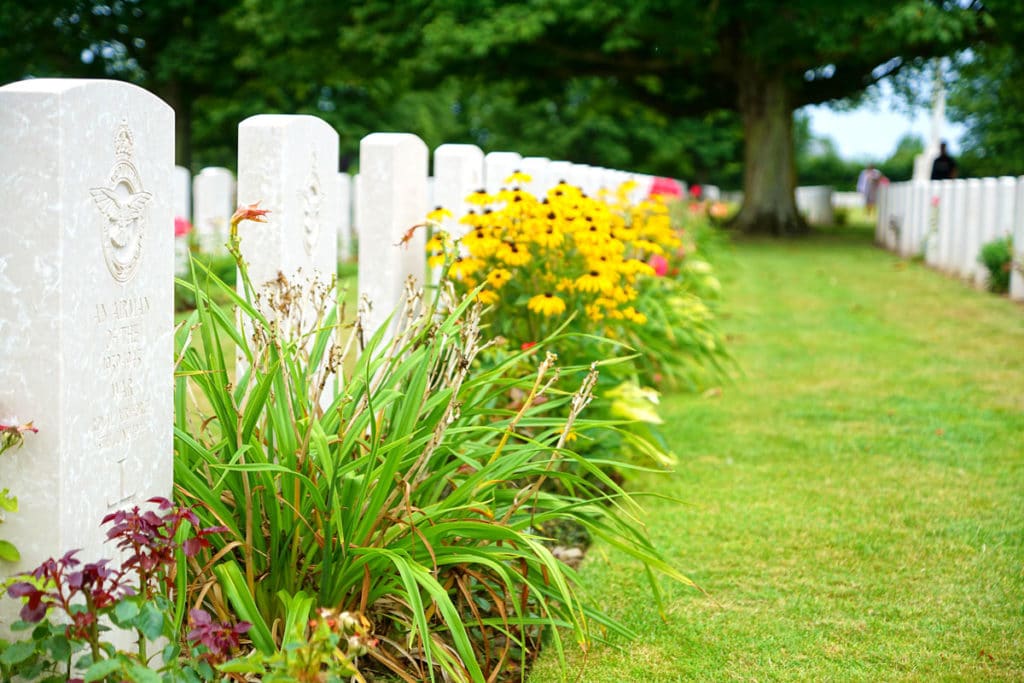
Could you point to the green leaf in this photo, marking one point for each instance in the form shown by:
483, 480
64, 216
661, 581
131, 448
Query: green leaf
242, 666
150, 621
8, 552
233, 583
59, 647
141, 673
17, 652
8, 503
124, 612
101, 669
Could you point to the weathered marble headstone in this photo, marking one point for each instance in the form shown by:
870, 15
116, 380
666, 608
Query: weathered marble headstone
497, 167
289, 164
1016, 276
182, 210
458, 172
86, 314
392, 201
213, 203
346, 246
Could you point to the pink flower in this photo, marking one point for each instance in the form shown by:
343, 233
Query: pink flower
935, 200
659, 263
665, 187
182, 226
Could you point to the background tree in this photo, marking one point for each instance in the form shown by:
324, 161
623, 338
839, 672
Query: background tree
986, 94
762, 60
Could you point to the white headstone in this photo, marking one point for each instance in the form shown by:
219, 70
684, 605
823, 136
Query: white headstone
393, 202
947, 210
537, 169
557, 171
458, 172
884, 210
930, 241
86, 315
1016, 276
972, 229
497, 167
989, 225
356, 222
289, 164
958, 227
213, 203
813, 201
182, 210
346, 251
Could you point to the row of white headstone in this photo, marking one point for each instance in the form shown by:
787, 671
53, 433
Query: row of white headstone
947, 222
208, 199
86, 274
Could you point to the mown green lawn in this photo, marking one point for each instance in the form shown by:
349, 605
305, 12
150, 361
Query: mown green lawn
853, 503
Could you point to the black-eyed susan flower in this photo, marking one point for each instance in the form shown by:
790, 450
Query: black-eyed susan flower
498, 277
513, 254
546, 304
594, 282
439, 214
518, 178
462, 267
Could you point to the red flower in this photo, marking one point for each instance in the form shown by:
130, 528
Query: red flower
695, 191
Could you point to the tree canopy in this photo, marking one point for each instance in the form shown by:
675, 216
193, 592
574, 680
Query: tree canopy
676, 87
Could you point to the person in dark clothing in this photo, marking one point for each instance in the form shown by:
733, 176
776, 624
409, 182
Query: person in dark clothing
944, 166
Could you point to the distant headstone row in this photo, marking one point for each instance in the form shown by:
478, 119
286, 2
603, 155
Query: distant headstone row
947, 222
90, 193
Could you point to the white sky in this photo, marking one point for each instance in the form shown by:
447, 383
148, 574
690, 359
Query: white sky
872, 130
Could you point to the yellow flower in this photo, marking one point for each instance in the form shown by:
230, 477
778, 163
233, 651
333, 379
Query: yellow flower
513, 254
498, 277
546, 304
518, 178
487, 296
594, 282
549, 238
439, 214
465, 266
480, 197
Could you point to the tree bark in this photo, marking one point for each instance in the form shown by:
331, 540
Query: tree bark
178, 97
769, 164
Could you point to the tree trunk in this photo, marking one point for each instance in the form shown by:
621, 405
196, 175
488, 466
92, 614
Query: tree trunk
174, 94
769, 164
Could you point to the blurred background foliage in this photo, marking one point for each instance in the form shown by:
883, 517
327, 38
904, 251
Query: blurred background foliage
372, 65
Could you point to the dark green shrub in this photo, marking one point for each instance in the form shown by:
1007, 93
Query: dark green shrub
997, 257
